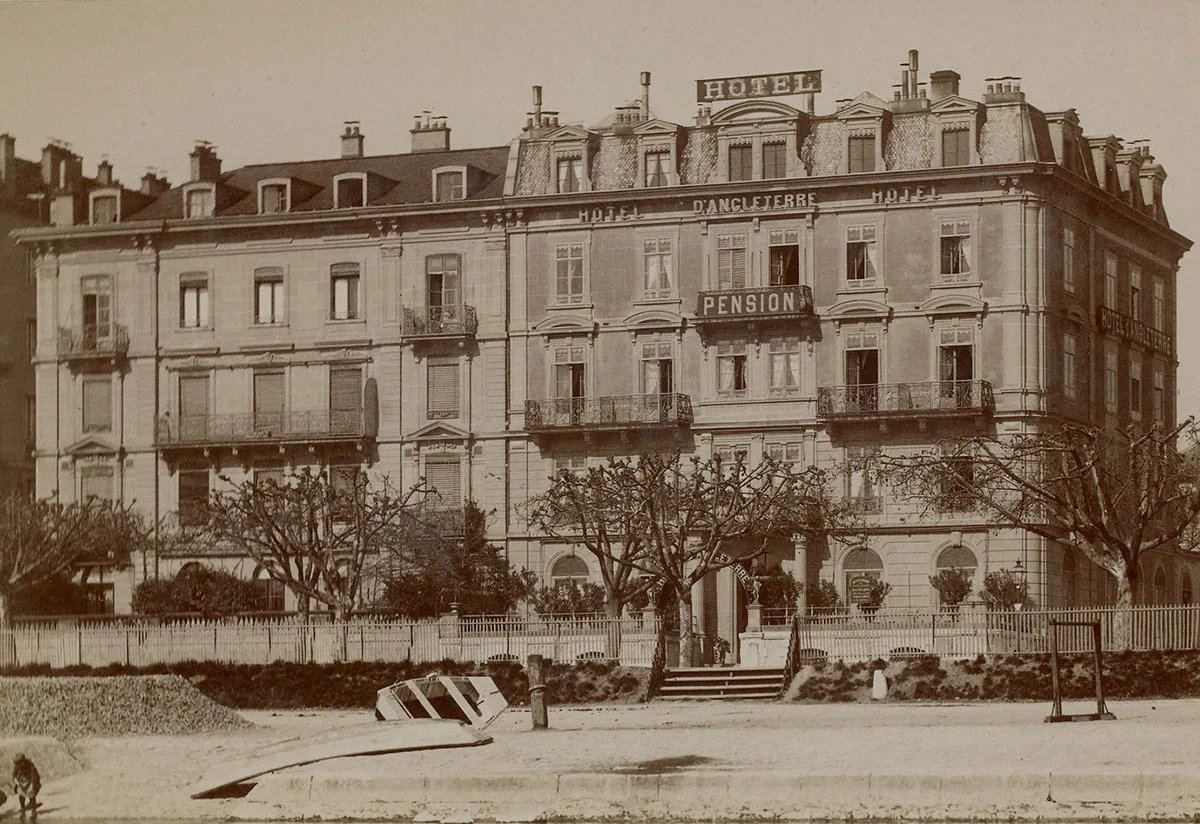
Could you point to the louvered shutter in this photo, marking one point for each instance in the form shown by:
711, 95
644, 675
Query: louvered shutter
443, 390
345, 400
193, 406
268, 401
445, 476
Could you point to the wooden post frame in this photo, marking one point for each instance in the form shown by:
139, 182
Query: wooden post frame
1056, 711
534, 669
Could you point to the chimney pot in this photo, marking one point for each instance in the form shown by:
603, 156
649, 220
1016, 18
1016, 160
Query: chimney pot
433, 135
352, 140
206, 166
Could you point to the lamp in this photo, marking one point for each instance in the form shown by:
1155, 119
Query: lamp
1019, 572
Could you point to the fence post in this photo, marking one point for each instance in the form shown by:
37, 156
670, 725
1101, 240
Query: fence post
537, 692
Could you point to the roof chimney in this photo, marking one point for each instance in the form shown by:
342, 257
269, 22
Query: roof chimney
206, 166
104, 173
153, 185
61, 167
645, 95
430, 134
352, 140
8, 166
943, 84
912, 73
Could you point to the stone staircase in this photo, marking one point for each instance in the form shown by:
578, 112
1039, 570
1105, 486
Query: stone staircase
721, 683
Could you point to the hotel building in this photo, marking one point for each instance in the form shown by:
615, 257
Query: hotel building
766, 280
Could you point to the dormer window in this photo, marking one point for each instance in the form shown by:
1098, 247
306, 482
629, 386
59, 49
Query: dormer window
350, 191
199, 202
449, 184
862, 153
658, 163
105, 208
274, 197
955, 146
570, 174
774, 160
741, 163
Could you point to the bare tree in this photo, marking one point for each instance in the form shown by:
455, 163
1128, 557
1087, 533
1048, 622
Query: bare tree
318, 535
1112, 495
672, 521
43, 538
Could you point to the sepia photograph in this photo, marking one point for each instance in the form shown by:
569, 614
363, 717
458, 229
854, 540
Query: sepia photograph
468, 411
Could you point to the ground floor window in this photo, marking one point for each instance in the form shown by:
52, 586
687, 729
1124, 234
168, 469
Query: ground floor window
863, 568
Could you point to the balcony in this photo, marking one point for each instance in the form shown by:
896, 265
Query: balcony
913, 401
437, 322
766, 303
1133, 330
93, 342
608, 413
249, 429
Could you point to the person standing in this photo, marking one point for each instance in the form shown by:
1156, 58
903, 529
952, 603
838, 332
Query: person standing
26, 783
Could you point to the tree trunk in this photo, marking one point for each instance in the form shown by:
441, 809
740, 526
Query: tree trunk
612, 628
686, 633
1122, 627
8, 641
341, 615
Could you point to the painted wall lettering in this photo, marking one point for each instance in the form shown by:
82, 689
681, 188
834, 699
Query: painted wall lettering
606, 214
756, 203
907, 194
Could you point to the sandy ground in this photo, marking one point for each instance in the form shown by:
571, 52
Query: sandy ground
148, 777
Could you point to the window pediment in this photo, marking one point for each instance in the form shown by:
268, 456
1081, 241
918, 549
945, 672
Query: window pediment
440, 432
755, 110
566, 134
955, 105
90, 446
953, 304
652, 128
865, 106
566, 324
859, 309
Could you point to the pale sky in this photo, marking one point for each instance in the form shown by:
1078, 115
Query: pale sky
272, 80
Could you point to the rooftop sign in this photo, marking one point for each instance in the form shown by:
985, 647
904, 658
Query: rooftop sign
761, 85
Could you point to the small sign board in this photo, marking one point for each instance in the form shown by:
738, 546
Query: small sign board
758, 85
860, 588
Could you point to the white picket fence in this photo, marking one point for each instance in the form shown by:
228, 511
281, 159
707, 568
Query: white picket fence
264, 640
974, 631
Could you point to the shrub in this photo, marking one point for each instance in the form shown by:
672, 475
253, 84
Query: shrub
952, 585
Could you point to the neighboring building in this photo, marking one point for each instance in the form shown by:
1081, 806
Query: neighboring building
766, 280
23, 188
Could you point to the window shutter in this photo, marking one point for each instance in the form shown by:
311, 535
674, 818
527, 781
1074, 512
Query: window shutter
443, 390
445, 476
345, 399
97, 405
268, 400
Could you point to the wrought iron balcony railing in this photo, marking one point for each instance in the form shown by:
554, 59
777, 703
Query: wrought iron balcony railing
608, 412
765, 302
91, 340
251, 428
439, 321
869, 401
1132, 329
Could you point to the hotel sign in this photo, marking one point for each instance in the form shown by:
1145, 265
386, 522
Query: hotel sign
761, 85
740, 303
1135, 331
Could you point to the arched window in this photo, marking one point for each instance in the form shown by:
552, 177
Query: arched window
1160, 586
1070, 578
862, 569
1185, 588
190, 568
957, 557
270, 592
98, 591
567, 569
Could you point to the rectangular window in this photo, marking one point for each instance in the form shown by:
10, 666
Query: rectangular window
1110, 381
274, 198
657, 164
1160, 409
731, 457
97, 310
1135, 292
570, 174
577, 465
346, 400
957, 480
862, 371
200, 203
774, 160
345, 485
1069, 355
104, 209
741, 163
442, 388
787, 454
350, 194
1160, 303
268, 473
861, 255
96, 482
862, 478
956, 251
269, 402
443, 279
30, 339
732, 373
784, 260
449, 186
657, 268
731, 261
954, 147
658, 368
268, 295
784, 355
569, 373
343, 291
862, 154
193, 407
193, 302
97, 404
1110, 280
30, 419
1135, 387
443, 475
568, 259
1068, 260
193, 497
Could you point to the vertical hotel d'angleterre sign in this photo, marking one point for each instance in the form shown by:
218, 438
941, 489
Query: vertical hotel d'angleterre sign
759, 85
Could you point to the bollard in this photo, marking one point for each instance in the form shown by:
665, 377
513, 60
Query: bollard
537, 691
